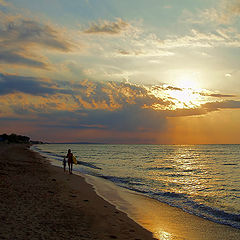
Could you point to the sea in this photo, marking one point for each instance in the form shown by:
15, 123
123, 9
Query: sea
203, 180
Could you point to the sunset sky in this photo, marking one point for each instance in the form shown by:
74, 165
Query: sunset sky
121, 71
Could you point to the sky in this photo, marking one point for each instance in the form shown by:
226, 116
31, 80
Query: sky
110, 71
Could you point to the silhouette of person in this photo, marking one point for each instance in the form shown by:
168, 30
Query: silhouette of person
70, 160
64, 163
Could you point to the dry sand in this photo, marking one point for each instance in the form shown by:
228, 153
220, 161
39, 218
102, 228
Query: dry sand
40, 201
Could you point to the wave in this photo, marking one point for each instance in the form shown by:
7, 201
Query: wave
160, 168
123, 180
149, 180
179, 200
230, 164
90, 165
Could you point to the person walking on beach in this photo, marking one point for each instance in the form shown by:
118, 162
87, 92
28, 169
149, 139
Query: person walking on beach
70, 160
64, 163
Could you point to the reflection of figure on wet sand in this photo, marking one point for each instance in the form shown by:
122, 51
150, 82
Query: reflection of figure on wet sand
70, 160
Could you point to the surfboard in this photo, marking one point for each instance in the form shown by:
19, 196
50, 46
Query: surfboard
74, 160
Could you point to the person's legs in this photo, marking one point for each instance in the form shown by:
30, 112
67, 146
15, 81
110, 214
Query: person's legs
69, 167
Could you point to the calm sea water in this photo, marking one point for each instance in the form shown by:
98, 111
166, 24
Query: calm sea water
200, 179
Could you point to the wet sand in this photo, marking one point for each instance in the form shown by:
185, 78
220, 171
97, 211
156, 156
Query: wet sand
40, 201
164, 221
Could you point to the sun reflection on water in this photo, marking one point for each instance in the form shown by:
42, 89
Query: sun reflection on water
162, 235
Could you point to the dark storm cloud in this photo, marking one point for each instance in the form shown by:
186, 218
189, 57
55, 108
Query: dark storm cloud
29, 85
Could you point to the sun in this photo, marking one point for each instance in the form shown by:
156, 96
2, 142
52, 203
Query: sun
183, 92
187, 92
177, 97
188, 81
185, 98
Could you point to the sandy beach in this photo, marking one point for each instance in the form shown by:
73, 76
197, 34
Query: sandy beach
40, 201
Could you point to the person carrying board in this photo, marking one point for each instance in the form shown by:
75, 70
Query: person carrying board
70, 160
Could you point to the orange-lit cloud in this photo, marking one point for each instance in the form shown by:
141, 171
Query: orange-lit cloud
111, 105
106, 27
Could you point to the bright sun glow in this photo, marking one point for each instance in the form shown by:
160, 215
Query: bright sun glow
185, 98
188, 80
181, 97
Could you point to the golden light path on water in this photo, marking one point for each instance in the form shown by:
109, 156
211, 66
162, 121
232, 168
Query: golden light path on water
163, 235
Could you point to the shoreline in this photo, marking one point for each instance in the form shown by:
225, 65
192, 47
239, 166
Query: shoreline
86, 207
40, 201
163, 220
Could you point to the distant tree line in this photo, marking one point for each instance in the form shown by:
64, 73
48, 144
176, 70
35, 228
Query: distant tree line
14, 138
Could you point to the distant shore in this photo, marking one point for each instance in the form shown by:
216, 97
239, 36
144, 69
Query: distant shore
40, 201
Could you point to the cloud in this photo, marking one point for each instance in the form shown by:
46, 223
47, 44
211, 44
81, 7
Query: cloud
230, 104
130, 53
107, 27
29, 85
15, 56
85, 94
173, 88
229, 10
147, 52
225, 12
4, 3
218, 95
197, 39
21, 40
221, 37
33, 33
228, 75
85, 104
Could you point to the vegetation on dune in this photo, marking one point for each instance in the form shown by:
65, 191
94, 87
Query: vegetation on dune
14, 138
